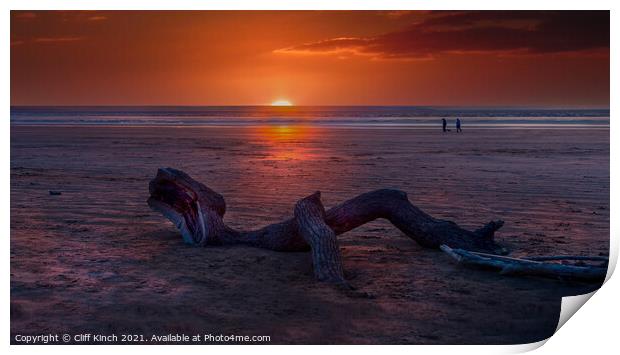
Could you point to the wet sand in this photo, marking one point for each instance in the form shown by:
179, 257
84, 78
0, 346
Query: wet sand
96, 259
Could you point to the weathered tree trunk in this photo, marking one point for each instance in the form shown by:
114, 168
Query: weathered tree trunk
326, 259
198, 213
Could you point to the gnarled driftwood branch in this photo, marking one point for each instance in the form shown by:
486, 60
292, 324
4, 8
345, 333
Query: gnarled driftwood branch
197, 211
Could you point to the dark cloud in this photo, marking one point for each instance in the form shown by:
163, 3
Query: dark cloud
502, 32
53, 27
58, 39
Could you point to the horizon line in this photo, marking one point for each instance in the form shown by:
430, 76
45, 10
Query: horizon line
556, 107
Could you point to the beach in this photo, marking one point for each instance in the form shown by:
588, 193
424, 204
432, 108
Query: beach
96, 259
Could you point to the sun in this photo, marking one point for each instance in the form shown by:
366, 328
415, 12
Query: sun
282, 103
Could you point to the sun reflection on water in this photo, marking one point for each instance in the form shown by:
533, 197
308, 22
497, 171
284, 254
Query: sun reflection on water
288, 142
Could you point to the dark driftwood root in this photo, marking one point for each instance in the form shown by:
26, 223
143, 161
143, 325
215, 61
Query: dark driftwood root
197, 211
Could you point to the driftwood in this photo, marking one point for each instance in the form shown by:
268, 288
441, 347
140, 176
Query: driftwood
604, 259
197, 211
516, 266
310, 218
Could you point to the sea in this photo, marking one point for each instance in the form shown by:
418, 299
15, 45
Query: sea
347, 116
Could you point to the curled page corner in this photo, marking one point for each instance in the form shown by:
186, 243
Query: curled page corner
524, 348
571, 304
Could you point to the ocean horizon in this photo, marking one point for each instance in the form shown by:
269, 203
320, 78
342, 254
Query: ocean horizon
346, 116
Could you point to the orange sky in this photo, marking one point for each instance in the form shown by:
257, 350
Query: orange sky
310, 58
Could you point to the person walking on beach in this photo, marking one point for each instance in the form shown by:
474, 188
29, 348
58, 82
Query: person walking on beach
458, 125
445, 124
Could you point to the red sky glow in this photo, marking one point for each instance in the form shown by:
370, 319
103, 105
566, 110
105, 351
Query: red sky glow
456, 58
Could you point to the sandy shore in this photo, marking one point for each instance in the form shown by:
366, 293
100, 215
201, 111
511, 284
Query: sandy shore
96, 259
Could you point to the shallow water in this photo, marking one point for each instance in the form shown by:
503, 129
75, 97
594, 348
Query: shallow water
343, 116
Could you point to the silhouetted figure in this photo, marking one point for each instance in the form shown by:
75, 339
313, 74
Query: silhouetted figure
458, 125
445, 124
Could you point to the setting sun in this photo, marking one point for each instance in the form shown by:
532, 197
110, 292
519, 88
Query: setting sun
281, 103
